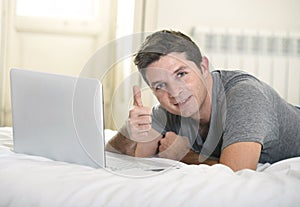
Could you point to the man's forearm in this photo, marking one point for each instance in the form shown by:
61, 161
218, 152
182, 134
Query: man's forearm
195, 158
121, 144
147, 149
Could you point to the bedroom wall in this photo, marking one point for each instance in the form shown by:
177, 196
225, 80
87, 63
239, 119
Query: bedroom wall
266, 19
251, 14
67, 52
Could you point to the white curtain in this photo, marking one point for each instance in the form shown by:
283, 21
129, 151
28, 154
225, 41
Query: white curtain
3, 39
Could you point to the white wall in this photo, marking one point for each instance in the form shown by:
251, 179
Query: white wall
271, 17
67, 53
251, 14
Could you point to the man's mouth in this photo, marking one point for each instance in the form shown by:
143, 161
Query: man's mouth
182, 101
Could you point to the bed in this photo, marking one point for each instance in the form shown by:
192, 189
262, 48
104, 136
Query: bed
36, 181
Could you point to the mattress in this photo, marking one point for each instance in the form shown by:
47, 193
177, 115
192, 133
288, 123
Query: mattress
37, 181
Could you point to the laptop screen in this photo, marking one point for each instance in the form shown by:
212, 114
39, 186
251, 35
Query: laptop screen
58, 117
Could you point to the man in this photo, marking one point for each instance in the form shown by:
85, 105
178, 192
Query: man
226, 117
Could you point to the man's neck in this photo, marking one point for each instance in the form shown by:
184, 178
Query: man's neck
203, 130
203, 116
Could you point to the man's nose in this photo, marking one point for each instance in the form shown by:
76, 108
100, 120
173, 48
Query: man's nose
175, 89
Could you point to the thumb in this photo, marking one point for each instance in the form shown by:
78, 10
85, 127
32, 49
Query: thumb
137, 96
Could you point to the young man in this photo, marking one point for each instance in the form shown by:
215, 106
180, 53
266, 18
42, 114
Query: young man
227, 117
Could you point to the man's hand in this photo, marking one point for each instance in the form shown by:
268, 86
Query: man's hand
139, 127
173, 146
139, 121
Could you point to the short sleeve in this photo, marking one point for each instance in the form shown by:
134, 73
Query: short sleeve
159, 119
250, 114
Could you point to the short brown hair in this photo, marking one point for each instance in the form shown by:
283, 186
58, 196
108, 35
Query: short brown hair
162, 43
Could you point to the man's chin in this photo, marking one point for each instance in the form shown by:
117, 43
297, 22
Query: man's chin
184, 112
188, 113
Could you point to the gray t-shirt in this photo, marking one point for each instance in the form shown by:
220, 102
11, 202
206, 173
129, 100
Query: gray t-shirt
244, 109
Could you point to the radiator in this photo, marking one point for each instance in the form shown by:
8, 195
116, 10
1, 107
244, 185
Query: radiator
272, 56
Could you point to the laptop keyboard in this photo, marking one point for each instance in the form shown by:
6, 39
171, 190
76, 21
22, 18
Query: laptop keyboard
118, 162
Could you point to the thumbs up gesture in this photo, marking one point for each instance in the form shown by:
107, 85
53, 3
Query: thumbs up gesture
137, 96
139, 121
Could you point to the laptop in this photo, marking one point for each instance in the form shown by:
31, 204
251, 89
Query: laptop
61, 118
58, 117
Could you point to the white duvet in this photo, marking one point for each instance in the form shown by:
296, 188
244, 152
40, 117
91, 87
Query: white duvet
36, 181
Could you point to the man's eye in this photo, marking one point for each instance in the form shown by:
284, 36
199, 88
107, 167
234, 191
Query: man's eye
181, 74
159, 86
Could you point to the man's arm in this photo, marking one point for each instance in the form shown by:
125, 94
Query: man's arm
178, 148
195, 158
121, 144
241, 155
148, 148
237, 156
136, 137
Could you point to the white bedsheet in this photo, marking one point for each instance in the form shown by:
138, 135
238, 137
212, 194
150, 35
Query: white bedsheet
36, 181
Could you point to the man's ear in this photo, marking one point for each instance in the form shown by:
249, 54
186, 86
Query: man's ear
205, 65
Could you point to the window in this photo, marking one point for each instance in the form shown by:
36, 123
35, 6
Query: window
58, 15
70, 9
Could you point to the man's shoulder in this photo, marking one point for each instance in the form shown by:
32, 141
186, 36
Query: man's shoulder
230, 78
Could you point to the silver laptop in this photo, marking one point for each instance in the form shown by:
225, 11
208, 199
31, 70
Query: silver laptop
61, 118
58, 117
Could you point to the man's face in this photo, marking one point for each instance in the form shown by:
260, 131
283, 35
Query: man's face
178, 84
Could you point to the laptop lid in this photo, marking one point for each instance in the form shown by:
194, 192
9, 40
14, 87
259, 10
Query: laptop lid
58, 117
